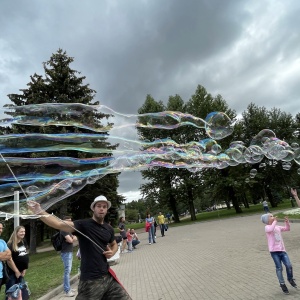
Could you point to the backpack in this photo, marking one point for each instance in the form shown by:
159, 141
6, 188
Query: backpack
56, 241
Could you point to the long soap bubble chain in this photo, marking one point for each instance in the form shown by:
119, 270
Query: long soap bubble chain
56, 183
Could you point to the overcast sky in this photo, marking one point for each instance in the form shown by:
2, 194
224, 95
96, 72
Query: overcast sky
247, 51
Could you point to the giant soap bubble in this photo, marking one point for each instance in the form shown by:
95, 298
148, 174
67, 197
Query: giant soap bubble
25, 168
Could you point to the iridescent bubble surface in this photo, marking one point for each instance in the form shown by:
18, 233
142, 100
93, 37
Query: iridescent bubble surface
48, 180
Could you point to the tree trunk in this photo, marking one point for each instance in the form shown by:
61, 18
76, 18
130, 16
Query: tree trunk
234, 200
245, 200
227, 204
270, 196
191, 204
33, 234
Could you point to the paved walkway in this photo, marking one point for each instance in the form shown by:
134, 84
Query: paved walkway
222, 259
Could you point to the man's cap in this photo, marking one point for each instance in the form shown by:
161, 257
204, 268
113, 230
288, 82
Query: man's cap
100, 199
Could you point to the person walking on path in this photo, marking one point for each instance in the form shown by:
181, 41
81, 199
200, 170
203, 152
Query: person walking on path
265, 206
277, 249
161, 223
97, 244
19, 261
151, 235
67, 257
5, 254
168, 217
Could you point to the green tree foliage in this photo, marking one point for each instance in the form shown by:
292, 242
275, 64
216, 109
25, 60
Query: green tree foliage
271, 179
161, 191
212, 182
132, 215
180, 189
139, 206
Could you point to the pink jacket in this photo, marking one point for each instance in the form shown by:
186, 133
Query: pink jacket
273, 232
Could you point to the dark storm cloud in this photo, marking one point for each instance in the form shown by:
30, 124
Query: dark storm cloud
246, 51
156, 44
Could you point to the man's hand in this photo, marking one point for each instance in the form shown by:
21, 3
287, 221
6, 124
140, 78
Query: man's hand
108, 253
18, 274
34, 207
294, 192
5, 255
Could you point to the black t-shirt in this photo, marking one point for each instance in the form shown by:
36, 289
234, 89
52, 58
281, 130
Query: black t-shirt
123, 227
20, 257
93, 263
66, 247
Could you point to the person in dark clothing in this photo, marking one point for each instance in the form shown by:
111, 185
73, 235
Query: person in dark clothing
19, 262
122, 229
97, 244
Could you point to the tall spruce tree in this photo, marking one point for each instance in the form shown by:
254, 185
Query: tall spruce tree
62, 84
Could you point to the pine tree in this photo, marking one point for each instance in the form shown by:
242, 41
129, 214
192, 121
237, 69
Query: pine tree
62, 84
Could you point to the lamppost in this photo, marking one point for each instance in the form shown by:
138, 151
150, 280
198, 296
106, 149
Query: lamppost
16, 209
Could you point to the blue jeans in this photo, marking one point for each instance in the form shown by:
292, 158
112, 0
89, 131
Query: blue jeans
135, 243
151, 235
282, 257
162, 229
67, 258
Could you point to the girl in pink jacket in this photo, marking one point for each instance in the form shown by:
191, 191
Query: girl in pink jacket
277, 249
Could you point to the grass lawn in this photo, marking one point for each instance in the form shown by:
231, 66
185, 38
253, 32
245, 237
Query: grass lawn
45, 272
46, 269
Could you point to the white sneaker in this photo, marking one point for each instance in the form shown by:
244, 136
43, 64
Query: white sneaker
149, 243
69, 294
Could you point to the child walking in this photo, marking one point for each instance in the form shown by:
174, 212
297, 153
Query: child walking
277, 249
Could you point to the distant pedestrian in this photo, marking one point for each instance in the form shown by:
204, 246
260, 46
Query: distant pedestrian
150, 221
265, 206
122, 230
161, 222
155, 227
277, 249
168, 217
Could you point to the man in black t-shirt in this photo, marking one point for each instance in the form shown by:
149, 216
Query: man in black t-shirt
67, 257
97, 244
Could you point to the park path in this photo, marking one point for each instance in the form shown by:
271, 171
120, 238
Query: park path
220, 259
